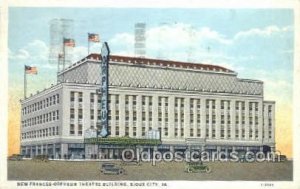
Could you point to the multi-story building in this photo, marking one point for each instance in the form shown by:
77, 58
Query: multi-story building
198, 106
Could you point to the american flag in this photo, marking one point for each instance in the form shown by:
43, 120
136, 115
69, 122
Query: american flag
69, 42
94, 37
30, 70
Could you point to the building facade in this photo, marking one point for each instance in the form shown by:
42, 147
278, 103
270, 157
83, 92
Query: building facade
194, 106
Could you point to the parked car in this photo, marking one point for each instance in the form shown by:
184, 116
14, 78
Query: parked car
40, 158
280, 158
197, 167
15, 157
111, 168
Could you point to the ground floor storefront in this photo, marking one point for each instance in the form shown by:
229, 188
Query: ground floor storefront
105, 151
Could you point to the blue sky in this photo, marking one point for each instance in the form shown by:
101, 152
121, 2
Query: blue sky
257, 43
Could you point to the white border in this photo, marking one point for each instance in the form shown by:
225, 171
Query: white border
292, 4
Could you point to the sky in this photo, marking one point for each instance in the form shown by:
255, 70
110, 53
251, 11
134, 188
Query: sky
256, 43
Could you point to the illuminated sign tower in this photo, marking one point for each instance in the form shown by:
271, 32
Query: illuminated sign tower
104, 89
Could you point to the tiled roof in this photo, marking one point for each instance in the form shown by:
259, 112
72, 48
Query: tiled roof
164, 63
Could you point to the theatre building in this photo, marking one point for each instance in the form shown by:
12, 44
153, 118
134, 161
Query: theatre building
192, 105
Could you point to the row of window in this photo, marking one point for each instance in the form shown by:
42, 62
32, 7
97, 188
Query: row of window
44, 118
163, 101
179, 132
42, 133
49, 101
194, 118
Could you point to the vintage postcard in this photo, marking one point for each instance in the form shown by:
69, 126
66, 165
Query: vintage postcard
147, 95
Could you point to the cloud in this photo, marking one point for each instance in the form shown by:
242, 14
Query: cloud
278, 84
183, 38
176, 42
262, 32
36, 50
122, 43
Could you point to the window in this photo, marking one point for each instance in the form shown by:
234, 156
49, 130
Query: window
126, 99
191, 132
222, 105
228, 133
127, 115
72, 129
134, 116
57, 98
80, 96
99, 98
117, 115
243, 105
213, 104
117, 131
126, 131
109, 114
213, 119
159, 101
159, 116
251, 106
207, 104
92, 114
80, 129
182, 132
72, 113
222, 119
237, 107
80, 115
53, 115
92, 98
99, 114
150, 101
109, 99
150, 116
134, 100
222, 133
117, 99
72, 98
143, 116
213, 133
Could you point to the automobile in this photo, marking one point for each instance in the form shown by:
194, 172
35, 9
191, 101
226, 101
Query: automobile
283, 158
280, 158
197, 167
40, 158
15, 157
111, 168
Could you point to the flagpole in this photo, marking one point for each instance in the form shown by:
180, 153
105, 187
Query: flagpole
25, 83
58, 61
64, 60
88, 44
